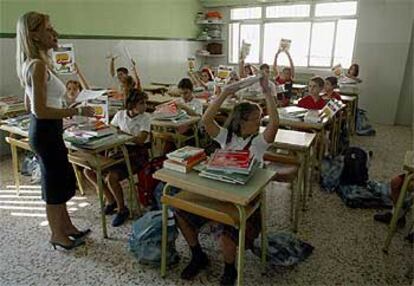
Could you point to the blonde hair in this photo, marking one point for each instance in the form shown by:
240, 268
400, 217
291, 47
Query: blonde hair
26, 47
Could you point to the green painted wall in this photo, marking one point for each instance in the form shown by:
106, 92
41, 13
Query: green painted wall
130, 18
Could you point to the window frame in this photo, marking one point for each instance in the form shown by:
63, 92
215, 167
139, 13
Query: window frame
311, 18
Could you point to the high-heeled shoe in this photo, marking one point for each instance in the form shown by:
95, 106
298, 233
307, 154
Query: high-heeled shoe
82, 234
74, 244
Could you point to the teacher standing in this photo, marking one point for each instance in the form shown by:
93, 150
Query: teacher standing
44, 93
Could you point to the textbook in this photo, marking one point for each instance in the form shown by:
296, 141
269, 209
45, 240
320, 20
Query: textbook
63, 59
185, 154
231, 161
227, 177
284, 45
183, 167
245, 50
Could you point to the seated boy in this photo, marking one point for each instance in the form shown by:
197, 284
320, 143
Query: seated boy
314, 100
134, 121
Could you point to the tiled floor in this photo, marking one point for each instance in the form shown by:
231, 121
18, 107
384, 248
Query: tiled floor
347, 241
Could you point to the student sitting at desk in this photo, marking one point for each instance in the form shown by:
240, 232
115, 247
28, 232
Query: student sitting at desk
135, 121
285, 77
205, 80
331, 83
313, 100
122, 73
351, 77
241, 133
74, 87
188, 102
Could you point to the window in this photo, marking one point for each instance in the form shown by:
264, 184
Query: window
322, 34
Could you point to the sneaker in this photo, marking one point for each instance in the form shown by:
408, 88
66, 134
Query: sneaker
120, 217
228, 278
386, 218
110, 209
194, 267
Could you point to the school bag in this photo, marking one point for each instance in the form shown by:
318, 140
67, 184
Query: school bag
372, 195
284, 249
331, 170
145, 239
355, 169
363, 127
146, 183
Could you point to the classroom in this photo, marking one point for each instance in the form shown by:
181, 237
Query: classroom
206, 142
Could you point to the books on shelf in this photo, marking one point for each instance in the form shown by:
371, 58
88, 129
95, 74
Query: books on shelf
184, 159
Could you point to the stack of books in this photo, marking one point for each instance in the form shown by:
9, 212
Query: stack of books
230, 166
292, 113
184, 159
169, 112
11, 103
90, 137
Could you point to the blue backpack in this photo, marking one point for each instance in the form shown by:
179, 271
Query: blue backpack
363, 128
145, 240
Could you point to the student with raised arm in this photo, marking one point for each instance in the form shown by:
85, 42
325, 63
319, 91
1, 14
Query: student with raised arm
205, 80
74, 87
122, 73
44, 94
285, 77
241, 133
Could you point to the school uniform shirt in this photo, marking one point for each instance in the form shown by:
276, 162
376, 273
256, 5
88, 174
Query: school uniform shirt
308, 103
279, 80
134, 125
334, 95
195, 104
258, 146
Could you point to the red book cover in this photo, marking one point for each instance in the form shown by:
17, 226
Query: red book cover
230, 159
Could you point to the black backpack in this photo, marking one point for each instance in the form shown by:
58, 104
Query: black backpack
355, 171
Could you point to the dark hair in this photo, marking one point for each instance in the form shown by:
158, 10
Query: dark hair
240, 112
75, 82
249, 66
287, 69
122, 69
318, 80
356, 66
333, 80
135, 97
264, 66
185, 83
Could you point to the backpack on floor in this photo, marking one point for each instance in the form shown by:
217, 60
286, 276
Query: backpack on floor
146, 183
331, 170
145, 240
355, 169
363, 127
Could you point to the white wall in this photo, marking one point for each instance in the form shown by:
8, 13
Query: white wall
157, 60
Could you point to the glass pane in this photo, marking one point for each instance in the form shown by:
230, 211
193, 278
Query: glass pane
336, 9
321, 44
288, 11
298, 32
251, 34
234, 31
246, 13
344, 43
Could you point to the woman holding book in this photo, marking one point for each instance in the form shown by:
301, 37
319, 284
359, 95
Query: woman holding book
44, 93
241, 133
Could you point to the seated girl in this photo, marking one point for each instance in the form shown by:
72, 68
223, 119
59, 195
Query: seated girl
188, 102
241, 133
134, 121
205, 80
313, 100
74, 87
351, 75
331, 83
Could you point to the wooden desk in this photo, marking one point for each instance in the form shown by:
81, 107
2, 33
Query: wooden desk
408, 167
87, 158
157, 99
351, 111
208, 198
162, 130
155, 88
301, 145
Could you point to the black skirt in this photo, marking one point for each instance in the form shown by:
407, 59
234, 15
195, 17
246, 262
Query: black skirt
58, 179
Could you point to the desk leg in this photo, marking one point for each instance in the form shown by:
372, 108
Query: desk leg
299, 190
164, 234
240, 256
264, 229
196, 138
78, 176
307, 175
15, 160
101, 199
131, 193
400, 202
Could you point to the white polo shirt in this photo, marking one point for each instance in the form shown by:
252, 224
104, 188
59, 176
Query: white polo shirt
258, 146
134, 125
195, 104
